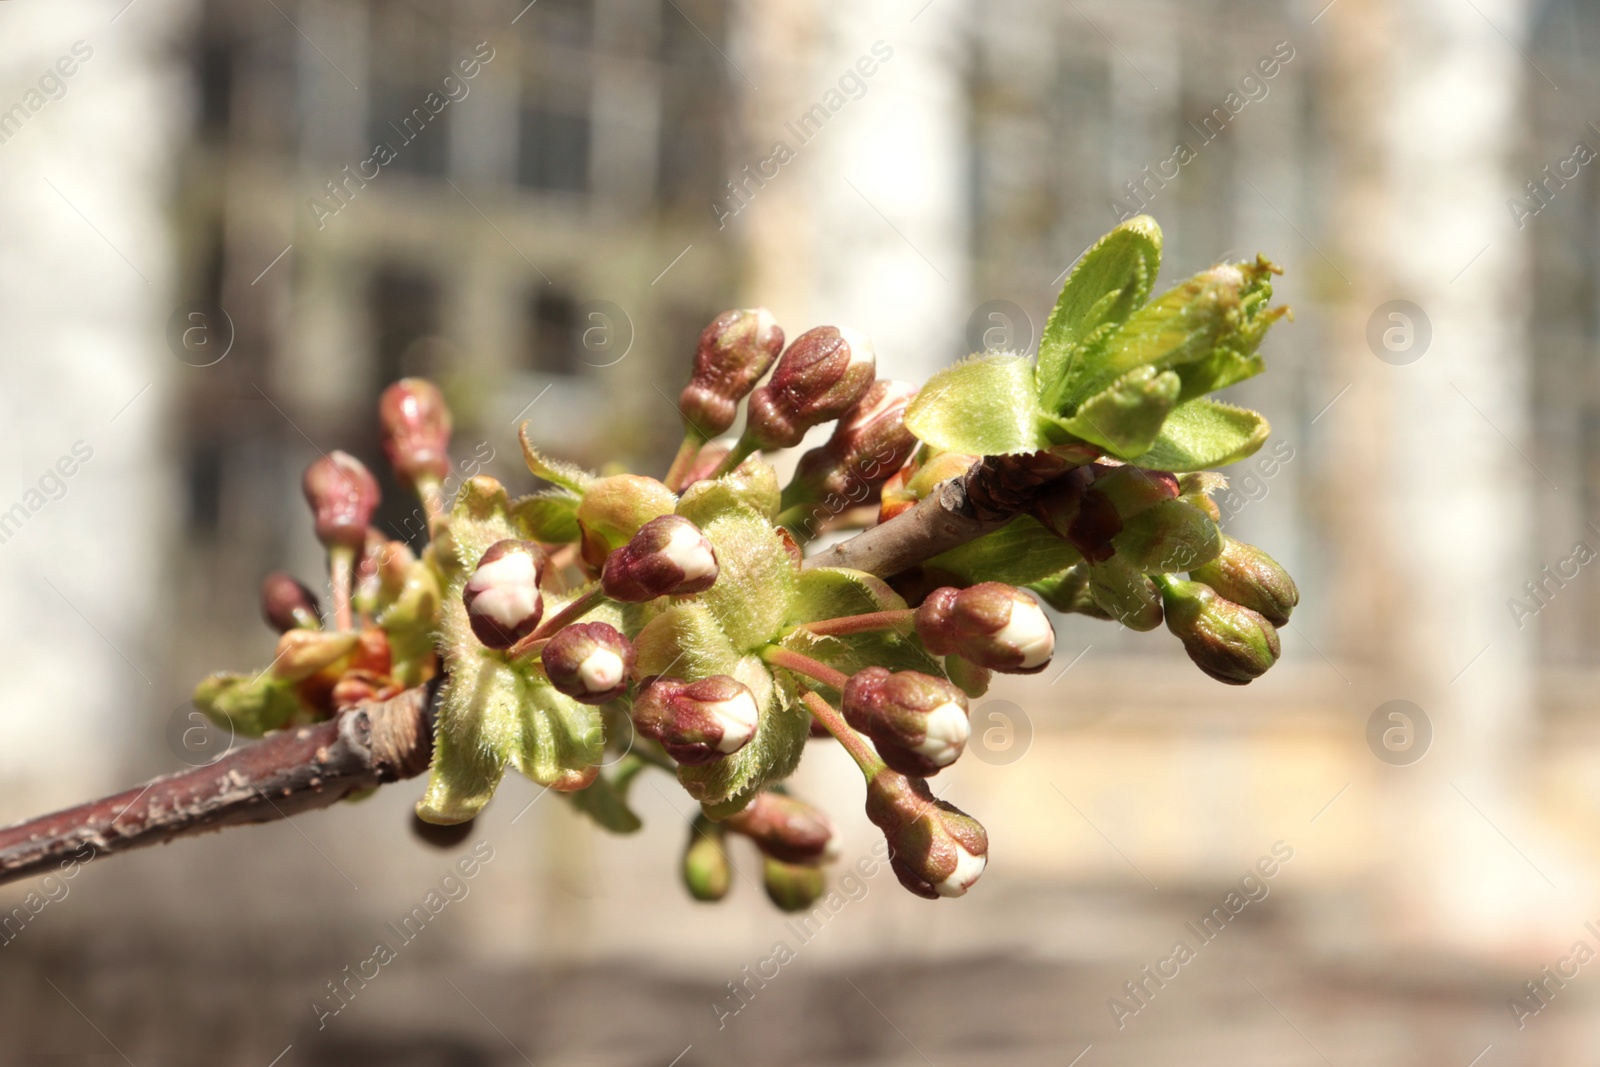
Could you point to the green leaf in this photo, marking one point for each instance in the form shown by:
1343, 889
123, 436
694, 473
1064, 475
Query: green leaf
550, 516
565, 475
1111, 280
559, 734
752, 486
1020, 552
832, 592
606, 800
1125, 417
481, 516
684, 641
479, 726
985, 405
1203, 433
726, 785
756, 581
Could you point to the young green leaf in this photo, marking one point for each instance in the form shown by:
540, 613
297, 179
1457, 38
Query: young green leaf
1111, 281
549, 517
1019, 553
986, 406
1125, 417
566, 475
1203, 433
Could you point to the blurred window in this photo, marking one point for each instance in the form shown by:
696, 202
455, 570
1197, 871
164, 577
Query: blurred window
553, 343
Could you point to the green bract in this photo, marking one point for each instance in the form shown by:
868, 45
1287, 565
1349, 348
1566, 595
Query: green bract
1117, 369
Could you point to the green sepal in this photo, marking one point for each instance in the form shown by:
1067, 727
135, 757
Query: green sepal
756, 580
252, 704
684, 641
752, 486
1204, 433
1110, 281
1019, 553
986, 405
566, 475
1125, 417
481, 516
835, 592
550, 516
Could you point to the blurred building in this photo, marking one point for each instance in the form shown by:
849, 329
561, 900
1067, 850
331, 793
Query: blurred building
540, 204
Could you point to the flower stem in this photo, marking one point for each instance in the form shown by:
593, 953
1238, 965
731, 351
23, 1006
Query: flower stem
802, 664
901, 619
737, 455
692, 443
432, 494
859, 750
341, 568
585, 602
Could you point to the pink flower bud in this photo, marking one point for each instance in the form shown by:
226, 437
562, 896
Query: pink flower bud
416, 429
288, 605
936, 849
992, 624
818, 378
343, 495
589, 662
697, 722
869, 444
503, 600
918, 722
669, 556
786, 829
734, 352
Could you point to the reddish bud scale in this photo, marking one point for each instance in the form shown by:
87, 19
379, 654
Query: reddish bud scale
786, 829
343, 495
992, 624
818, 378
287, 605
936, 849
589, 662
733, 353
697, 722
669, 556
917, 722
416, 429
503, 599
869, 444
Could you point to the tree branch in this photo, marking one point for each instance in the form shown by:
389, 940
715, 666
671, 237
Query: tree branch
281, 775
992, 492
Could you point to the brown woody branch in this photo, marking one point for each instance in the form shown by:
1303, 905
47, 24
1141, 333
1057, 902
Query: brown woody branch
994, 491
281, 775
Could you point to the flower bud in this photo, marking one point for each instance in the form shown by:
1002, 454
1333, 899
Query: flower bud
918, 722
792, 886
669, 556
288, 605
503, 600
302, 653
614, 509
936, 849
1228, 641
1124, 594
589, 662
992, 624
733, 353
697, 722
786, 829
706, 871
869, 444
343, 495
416, 430
1171, 536
821, 374
1246, 575
1079, 515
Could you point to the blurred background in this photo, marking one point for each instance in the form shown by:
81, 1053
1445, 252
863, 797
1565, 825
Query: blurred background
209, 268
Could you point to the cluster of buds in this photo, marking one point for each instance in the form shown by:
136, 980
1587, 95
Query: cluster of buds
733, 353
696, 722
869, 445
794, 838
1227, 615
